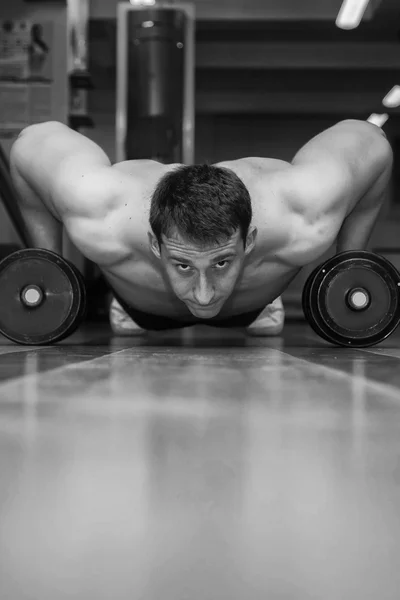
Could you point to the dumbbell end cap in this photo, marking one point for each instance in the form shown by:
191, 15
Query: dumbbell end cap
32, 296
358, 299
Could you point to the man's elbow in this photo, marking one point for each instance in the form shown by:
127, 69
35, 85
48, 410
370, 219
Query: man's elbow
381, 150
363, 127
41, 129
32, 136
384, 155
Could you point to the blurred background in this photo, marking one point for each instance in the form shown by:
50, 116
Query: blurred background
257, 78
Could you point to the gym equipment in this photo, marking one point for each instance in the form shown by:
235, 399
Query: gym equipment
353, 299
155, 82
42, 297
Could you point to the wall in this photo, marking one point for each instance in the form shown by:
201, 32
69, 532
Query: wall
56, 13
249, 9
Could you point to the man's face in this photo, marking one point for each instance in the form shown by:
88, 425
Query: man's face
203, 277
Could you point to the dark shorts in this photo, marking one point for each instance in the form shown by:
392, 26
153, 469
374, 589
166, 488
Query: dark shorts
158, 323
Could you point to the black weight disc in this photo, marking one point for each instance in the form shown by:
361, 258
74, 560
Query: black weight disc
63, 297
307, 305
83, 307
330, 313
306, 292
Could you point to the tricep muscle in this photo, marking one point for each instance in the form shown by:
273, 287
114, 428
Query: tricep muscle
55, 161
330, 176
338, 167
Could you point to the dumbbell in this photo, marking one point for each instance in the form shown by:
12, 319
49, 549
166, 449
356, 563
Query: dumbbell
353, 299
42, 297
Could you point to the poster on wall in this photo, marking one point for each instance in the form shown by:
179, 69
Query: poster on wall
26, 75
15, 39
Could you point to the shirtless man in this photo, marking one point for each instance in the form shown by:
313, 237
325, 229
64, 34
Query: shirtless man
217, 245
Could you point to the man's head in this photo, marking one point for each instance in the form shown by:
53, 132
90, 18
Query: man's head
200, 219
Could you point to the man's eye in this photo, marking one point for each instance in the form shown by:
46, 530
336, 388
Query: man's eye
183, 268
222, 264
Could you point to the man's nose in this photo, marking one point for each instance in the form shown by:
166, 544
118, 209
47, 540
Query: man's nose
203, 292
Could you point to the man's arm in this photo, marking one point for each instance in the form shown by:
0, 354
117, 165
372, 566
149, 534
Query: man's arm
338, 184
50, 167
359, 224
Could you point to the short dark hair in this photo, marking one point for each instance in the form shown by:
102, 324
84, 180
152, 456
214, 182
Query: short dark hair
204, 203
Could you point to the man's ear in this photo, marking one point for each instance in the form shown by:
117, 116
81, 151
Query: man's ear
154, 245
251, 239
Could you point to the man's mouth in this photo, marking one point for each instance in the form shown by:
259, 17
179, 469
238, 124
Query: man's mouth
204, 306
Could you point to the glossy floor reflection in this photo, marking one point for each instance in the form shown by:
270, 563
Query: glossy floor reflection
199, 465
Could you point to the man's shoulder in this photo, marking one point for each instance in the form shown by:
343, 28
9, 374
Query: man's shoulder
278, 210
265, 181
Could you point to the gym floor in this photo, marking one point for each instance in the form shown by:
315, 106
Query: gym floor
199, 465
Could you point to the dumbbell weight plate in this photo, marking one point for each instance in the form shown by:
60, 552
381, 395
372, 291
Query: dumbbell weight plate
307, 305
83, 306
60, 308
326, 305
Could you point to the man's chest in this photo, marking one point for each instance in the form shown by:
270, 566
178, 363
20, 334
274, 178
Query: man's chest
145, 288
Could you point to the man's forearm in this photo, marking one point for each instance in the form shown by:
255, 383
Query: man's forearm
356, 231
357, 228
44, 228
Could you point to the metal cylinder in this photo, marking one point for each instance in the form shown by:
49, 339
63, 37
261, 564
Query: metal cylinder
155, 83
